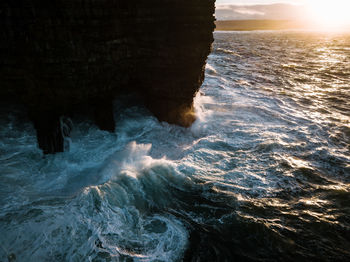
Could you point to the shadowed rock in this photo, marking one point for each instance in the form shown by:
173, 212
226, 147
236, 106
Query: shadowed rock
61, 56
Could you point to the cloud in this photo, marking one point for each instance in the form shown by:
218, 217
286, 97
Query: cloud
272, 11
249, 11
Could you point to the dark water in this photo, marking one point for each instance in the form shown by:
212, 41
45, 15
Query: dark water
263, 175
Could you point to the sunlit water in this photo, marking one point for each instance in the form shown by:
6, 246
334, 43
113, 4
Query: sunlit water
263, 174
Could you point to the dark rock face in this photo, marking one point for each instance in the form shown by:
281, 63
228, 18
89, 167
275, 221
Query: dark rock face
59, 56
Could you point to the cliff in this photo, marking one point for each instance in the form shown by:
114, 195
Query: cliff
60, 56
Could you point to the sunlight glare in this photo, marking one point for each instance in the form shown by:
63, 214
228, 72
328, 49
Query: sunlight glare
330, 14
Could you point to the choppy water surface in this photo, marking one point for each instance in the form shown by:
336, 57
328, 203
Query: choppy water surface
263, 175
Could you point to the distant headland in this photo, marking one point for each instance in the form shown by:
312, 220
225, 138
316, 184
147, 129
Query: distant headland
251, 25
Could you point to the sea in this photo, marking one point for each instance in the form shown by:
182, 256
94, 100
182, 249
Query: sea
262, 175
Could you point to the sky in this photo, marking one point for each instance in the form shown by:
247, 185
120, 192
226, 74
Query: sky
259, 9
324, 13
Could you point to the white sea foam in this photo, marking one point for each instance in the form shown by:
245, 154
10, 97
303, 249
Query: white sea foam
210, 69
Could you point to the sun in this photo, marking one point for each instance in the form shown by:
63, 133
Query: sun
330, 14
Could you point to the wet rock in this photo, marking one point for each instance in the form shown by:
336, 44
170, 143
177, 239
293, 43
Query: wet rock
11, 258
49, 131
103, 114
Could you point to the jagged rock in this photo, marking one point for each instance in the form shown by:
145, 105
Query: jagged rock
59, 56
